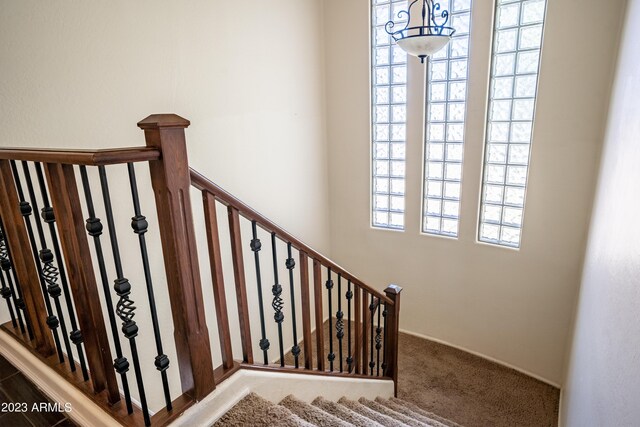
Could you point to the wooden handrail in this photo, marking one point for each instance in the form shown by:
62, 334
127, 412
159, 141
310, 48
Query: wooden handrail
104, 157
204, 184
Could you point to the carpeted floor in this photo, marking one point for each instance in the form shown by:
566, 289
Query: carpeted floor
464, 388
470, 390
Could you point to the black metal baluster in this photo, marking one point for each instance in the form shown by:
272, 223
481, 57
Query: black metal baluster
277, 302
140, 226
94, 229
378, 341
51, 273
255, 247
339, 321
290, 264
125, 308
16, 291
349, 296
372, 308
329, 285
52, 319
6, 291
384, 316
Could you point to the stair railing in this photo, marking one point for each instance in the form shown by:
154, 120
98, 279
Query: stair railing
61, 309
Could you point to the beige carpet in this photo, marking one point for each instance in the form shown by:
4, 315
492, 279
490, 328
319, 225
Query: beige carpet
470, 390
253, 410
464, 388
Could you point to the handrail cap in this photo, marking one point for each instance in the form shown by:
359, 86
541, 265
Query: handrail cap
157, 121
393, 290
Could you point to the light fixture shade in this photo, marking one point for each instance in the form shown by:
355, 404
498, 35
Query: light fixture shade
423, 46
425, 37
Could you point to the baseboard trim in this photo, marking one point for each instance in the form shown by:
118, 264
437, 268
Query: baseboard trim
489, 358
84, 411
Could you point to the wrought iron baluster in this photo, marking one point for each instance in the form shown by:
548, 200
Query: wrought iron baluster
140, 226
277, 302
349, 296
6, 265
372, 308
125, 308
94, 229
378, 341
340, 321
290, 264
52, 319
6, 292
329, 285
51, 273
255, 247
384, 353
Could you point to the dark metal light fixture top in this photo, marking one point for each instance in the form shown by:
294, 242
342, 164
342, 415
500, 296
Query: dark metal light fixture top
426, 39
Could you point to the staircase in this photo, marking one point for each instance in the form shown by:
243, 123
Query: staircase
255, 411
102, 283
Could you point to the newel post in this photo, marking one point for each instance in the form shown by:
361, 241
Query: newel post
171, 184
392, 335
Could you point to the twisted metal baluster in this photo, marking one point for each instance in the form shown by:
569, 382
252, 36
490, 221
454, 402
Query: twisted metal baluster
378, 342
372, 308
339, 321
51, 273
255, 247
6, 292
329, 285
125, 308
16, 293
52, 319
290, 264
140, 226
349, 296
277, 302
384, 353
94, 229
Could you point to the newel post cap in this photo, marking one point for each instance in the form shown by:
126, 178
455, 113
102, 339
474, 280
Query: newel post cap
393, 290
159, 121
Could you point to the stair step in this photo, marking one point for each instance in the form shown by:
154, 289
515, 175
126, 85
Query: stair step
312, 414
358, 407
419, 410
343, 413
391, 413
255, 411
408, 412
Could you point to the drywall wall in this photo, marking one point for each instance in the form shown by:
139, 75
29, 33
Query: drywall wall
510, 305
249, 76
602, 377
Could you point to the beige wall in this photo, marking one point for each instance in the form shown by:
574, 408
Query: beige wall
514, 306
602, 377
248, 75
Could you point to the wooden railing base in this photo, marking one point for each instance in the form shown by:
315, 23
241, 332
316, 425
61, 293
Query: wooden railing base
301, 371
118, 411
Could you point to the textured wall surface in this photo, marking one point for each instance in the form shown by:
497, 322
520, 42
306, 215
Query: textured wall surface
603, 375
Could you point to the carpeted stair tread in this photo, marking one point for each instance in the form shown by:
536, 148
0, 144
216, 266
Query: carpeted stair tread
312, 414
253, 410
408, 412
391, 413
343, 413
369, 413
415, 408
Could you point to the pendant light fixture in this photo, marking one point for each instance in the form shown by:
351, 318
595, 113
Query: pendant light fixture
426, 39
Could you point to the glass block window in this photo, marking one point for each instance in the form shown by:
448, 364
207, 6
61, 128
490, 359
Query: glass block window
389, 117
517, 43
445, 126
